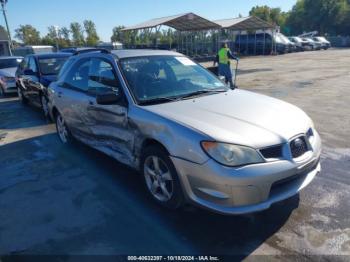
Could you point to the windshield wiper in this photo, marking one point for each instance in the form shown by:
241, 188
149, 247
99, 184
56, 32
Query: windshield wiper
203, 92
158, 100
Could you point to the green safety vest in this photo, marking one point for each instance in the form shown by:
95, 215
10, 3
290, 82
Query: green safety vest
223, 56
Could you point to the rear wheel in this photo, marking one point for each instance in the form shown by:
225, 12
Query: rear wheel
161, 178
62, 130
44, 106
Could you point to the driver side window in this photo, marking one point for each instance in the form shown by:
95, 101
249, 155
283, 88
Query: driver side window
32, 65
102, 77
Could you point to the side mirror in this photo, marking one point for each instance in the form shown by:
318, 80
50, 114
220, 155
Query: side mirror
108, 98
29, 72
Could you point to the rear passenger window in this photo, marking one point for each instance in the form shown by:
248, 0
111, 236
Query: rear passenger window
93, 75
102, 77
78, 77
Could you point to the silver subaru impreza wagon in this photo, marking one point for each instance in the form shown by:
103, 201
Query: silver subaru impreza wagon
192, 138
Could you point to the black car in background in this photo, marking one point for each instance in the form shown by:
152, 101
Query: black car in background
35, 74
260, 44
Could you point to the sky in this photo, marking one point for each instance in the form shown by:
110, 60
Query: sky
110, 13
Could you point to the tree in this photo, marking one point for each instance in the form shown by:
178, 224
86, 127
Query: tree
118, 34
272, 15
91, 34
64, 37
28, 35
77, 34
325, 16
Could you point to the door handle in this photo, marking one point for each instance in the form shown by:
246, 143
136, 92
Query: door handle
59, 94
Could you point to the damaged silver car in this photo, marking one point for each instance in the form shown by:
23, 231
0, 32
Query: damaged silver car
193, 139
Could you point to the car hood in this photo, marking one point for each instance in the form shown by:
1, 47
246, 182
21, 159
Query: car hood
8, 72
46, 80
239, 117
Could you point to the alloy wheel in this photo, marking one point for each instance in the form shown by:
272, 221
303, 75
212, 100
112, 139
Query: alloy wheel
44, 106
62, 129
158, 178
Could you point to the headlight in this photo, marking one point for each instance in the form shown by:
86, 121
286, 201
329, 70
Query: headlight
7, 79
231, 155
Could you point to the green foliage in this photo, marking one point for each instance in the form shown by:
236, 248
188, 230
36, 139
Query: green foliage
77, 34
272, 15
92, 38
28, 35
326, 16
117, 34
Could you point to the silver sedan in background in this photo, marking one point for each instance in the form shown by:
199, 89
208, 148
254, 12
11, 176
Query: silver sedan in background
8, 67
192, 138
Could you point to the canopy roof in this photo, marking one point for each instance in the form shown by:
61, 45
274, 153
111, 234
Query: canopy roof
244, 23
183, 22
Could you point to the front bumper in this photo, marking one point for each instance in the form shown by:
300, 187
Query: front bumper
247, 189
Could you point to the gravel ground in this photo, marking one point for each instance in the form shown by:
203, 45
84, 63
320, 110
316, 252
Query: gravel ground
56, 200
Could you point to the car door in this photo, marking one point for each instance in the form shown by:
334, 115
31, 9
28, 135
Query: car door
22, 80
31, 81
72, 99
109, 123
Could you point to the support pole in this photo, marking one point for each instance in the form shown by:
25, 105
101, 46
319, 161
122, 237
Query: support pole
3, 3
264, 42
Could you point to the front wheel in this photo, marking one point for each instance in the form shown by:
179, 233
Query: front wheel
62, 130
161, 178
21, 97
45, 106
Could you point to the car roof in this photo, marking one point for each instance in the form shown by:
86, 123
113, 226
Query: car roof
127, 53
51, 55
11, 57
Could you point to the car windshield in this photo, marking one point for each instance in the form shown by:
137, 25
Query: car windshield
51, 66
159, 79
8, 63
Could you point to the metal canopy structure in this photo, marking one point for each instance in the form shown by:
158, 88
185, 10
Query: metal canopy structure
194, 34
182, 22
245, 23
251, 42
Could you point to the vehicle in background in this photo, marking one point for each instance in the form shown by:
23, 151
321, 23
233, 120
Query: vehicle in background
8, 67
73, 50
34, 75
312, 44
110, 46
33, 49
260, 44
291, 47
325, 44
300, 44
192, 138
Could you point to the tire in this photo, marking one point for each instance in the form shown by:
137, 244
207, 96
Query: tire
2, 92
62, 130
44, 107
21, 97
161, 179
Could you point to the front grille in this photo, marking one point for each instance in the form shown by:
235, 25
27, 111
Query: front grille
298, 147
272, 152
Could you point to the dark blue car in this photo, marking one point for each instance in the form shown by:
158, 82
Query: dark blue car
35, 74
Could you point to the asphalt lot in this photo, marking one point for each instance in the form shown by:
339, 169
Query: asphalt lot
59, 200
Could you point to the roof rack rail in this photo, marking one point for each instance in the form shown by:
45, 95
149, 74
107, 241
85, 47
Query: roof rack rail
90, 50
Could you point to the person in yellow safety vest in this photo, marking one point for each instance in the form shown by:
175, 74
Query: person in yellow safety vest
223, 59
